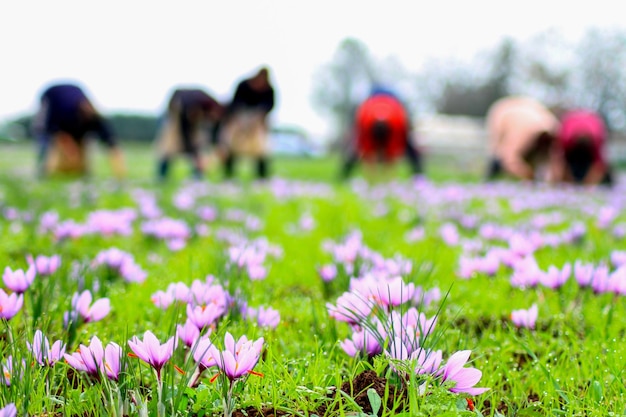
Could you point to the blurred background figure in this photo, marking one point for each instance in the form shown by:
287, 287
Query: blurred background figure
523, 140
191, 115
244, 129
582, 138
64, 119
381, 133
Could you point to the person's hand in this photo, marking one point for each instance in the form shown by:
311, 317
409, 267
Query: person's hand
118, 165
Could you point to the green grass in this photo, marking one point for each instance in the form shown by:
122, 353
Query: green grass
573, 365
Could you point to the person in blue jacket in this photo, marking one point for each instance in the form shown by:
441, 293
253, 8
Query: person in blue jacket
64, 119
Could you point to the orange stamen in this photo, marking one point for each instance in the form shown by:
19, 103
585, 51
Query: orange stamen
259, 374
214, 377
470, 404
180, 371
132, 355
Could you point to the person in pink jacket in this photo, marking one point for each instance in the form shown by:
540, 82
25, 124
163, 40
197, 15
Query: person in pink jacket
582, 138
522, 134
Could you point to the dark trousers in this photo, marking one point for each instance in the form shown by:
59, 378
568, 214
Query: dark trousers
164, 167
262, 166
411, 153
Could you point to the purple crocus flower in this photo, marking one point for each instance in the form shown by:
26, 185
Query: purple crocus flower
361, 342
238, 358
81, 306
265, 317
18, 281
188, 333
583, 273
426, 361
465, 378
525, 318
601, 281
10, 305
351, 307
11, 369
202, 354
95, 360
87, 358
112, 360
8, 410
45, 265
554, 278
393, 292
205, 315
151, 351
45, 354
328, 272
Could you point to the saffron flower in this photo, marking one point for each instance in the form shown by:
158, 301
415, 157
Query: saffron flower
351, 307
239, 358
188, 333
112, 360
426, 361
82, 306
525, 318
265, 317
328, 272
10, 369
464, 378
10, 305
202, 354
151, 351
45, 354
95, 360
18, 281
45, 265
205, 315
362, 342
88, 359
8, 410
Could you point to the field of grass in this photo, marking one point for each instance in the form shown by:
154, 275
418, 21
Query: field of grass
264, 245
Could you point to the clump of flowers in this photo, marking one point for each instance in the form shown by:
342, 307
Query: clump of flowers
525, 318
235, 363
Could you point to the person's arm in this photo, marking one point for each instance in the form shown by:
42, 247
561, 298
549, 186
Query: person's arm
595, 174
116, 158
513, 162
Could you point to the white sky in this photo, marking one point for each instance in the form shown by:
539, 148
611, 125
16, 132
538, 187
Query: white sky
130, 54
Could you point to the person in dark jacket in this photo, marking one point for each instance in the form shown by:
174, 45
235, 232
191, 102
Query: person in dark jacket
190, 115
61, 125
245, 126
381, 133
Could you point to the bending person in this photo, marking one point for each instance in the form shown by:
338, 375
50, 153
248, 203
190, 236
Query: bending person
245, 127
582, 138
523, 142
381, 133
64, 119
189, 114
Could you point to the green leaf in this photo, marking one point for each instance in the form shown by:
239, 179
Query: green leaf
375, 400
596, 391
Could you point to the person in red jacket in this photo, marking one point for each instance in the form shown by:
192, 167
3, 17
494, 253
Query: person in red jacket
582, 138
381, 133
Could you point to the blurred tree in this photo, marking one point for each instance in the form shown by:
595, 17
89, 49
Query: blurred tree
469, 94
127, 127
600, 79
339, 85
545, 69
134, 127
